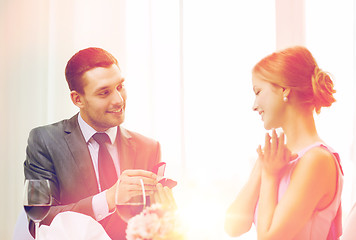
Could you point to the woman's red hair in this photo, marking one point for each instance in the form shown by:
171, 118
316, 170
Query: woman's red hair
296, 68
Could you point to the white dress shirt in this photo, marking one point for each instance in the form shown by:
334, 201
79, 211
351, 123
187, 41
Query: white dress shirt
99, 203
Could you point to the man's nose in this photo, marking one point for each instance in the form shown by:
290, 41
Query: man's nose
118, 97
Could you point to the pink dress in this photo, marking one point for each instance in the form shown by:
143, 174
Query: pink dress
325, 223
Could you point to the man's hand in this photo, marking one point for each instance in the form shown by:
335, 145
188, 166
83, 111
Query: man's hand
129, 185
164, 196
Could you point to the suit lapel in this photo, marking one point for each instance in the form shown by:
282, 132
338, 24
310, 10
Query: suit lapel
81, 155
127, 149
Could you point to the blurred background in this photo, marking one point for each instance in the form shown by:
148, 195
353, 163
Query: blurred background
187, 66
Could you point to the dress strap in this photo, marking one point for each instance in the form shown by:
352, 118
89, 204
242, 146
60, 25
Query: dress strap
320, 144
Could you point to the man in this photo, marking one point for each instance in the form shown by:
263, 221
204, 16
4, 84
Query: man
67, 154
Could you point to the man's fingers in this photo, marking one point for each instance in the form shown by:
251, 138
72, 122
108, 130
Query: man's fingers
135, 180
164, 196
139, 173
170, 197
157, 197
130, 184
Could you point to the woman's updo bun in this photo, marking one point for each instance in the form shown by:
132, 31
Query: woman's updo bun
295, 68
323, 89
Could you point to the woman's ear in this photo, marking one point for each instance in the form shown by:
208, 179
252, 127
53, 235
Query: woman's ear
286, 92
76, 98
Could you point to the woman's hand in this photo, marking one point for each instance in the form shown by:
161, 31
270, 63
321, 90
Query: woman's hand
275, 155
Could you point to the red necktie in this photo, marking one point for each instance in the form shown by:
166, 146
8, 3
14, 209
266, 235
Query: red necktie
107, 172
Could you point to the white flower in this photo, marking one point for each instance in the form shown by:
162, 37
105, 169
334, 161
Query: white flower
152, 223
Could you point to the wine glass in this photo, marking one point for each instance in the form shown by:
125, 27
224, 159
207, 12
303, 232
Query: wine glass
132, 206
37, 200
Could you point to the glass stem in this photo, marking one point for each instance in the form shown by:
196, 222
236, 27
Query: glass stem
37, 226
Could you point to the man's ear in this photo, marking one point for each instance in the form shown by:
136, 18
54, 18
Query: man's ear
76, 98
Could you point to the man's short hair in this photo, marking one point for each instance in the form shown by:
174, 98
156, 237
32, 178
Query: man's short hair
83, 61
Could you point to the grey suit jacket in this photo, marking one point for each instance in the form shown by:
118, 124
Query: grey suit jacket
58, 152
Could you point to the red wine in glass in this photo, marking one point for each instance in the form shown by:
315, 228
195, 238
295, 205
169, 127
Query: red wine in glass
129, 210
130, 207
37, 200
37, 212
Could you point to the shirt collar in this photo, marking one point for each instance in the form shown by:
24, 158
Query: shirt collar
88, 131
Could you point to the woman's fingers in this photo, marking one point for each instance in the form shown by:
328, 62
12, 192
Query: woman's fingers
275, 154
287, 155
259, 152
274, 143
281, 147
293, 156
267, 147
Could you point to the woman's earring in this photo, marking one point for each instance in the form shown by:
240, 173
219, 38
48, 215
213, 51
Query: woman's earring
285, 99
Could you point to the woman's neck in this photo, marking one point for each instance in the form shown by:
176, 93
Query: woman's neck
300, 131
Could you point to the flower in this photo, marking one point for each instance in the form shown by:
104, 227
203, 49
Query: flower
154, 223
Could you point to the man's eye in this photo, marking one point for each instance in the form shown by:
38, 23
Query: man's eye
104, 93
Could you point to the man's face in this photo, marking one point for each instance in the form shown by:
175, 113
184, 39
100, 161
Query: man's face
102, 105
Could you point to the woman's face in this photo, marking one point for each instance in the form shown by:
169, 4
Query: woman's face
268, 102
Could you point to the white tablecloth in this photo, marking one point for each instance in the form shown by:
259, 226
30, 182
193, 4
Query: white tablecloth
72, 225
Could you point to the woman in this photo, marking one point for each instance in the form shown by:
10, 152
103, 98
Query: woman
290, 196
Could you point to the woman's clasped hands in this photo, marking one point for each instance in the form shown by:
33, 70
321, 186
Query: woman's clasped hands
275, 155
